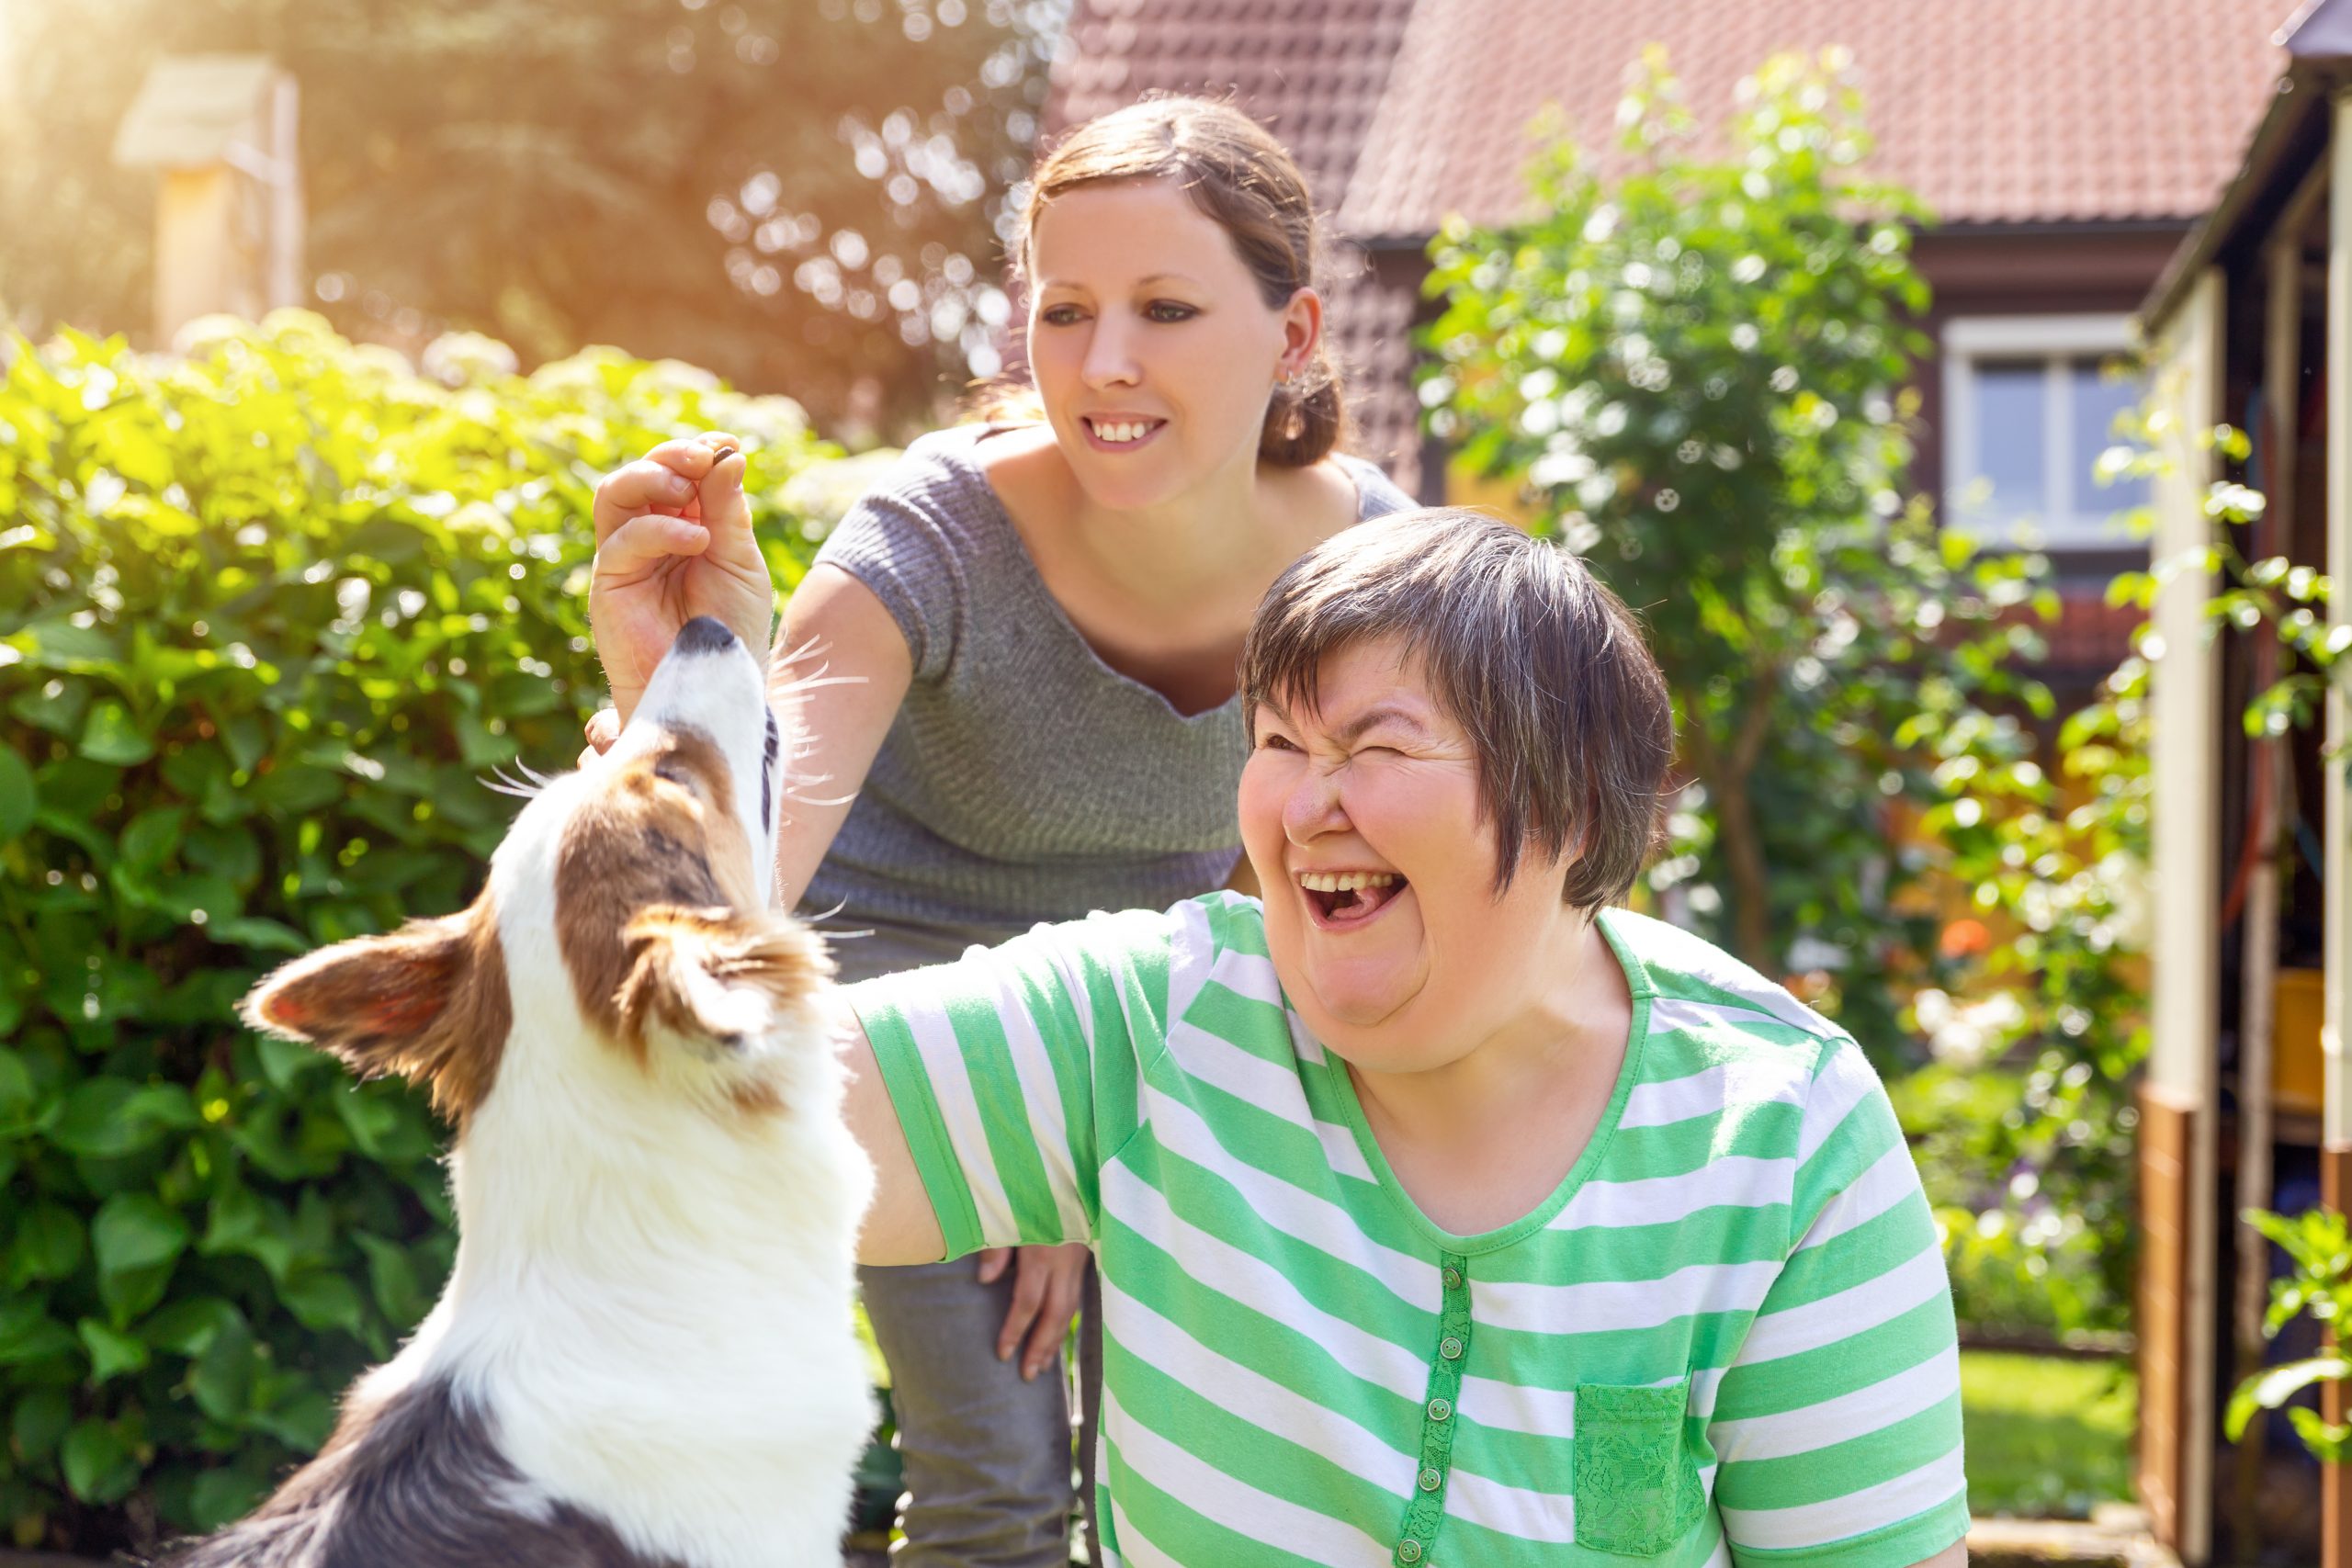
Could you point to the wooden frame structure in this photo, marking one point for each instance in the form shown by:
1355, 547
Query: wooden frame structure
2253, 313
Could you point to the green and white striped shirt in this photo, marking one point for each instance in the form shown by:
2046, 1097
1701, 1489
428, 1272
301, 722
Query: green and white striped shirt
1726, 1337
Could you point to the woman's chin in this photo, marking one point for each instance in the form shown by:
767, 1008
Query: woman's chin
1360, 1004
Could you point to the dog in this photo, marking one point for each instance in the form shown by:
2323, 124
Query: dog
644, 1357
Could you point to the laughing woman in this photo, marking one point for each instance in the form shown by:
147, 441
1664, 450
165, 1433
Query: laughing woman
1043, 617
1445, 1214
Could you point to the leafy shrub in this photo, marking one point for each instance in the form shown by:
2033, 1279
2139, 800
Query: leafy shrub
1691, 369
268, 617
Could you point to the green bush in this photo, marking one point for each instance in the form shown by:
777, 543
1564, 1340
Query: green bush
268, 617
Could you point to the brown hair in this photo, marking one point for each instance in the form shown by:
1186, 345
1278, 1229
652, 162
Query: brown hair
1542, 666
1245, 181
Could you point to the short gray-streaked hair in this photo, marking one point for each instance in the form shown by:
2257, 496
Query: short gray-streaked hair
1543, 668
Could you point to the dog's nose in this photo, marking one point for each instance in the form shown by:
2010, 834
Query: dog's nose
706, 634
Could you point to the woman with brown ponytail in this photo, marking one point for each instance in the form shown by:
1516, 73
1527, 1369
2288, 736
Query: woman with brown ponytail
1041, 615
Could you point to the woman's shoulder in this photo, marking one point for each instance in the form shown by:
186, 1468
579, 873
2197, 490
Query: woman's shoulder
1377, 495
1717, 1025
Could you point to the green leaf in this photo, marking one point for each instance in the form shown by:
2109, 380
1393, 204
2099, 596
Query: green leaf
149, 839
111, 1351
41, 1418
99, 1466
59, 713
16, 1090
392, 1278
301, 1421
241, 1221
247, 738
320, 1300
185, 1328
47, 1243
222, 1495
113, 735
18, 799
222, 1378
136, 1240
2271, 1389
259, 932
29, 1333
2324, 1438
106, 1118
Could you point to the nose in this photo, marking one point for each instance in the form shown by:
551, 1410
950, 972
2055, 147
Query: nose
1110, 360
1312, 808
706, 634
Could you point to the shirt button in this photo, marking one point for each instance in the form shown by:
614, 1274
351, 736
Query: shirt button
1440, 1409
1409, 1551
1431, 1479
1453, 1279
1450, 1348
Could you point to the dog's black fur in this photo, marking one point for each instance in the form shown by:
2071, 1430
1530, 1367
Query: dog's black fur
418, 1483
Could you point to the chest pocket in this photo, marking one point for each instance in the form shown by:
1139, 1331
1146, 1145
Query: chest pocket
1636, 1481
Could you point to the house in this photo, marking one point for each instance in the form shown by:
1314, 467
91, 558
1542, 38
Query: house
2066, 150
2248, 1101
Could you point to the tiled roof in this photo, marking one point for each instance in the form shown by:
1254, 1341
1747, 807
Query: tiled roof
1312, 70
1402, 111
1993, 111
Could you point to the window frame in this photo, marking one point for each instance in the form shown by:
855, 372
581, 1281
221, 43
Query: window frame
2059, 341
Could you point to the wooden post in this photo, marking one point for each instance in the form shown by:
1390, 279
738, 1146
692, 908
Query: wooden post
2179, 1139
2258, 928
2335, 1133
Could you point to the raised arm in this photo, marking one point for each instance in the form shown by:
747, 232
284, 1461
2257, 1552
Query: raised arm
840, 668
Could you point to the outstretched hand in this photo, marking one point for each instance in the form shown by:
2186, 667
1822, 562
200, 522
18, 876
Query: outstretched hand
674, 541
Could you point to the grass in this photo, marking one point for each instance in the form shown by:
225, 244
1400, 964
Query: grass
2047, 1436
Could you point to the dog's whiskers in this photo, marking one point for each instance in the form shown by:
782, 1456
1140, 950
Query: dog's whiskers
500, 783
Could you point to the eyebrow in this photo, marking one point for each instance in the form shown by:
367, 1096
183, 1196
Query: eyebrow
1157, 277
1378, 713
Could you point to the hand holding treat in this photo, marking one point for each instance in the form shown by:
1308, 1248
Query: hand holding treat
674, 541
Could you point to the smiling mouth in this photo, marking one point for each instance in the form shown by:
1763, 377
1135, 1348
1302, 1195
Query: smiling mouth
1122, 431
1348, 898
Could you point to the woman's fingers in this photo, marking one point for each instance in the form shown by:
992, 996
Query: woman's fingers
633, 489
603, 728
1046, 1289
1052, 1332
635, 549
666, 479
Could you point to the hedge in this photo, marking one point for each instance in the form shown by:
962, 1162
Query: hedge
270, 613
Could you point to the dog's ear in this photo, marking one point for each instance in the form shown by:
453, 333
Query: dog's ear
428, 1002
717, 979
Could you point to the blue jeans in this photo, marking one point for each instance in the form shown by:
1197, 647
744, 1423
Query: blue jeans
987, 1455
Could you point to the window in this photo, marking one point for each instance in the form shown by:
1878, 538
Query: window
2029, 403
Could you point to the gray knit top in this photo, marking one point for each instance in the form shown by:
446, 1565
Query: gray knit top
1023, 779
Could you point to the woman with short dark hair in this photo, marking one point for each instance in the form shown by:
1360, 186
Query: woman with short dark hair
1444, 1212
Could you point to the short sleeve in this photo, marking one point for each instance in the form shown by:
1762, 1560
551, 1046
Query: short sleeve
1014, 1072
1376, 493
1836, 1428
900, 540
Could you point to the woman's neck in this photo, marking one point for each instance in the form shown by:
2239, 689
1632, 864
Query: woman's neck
1483, 1139
1240, 522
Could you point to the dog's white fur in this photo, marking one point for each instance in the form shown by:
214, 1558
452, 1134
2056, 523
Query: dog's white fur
651, 1299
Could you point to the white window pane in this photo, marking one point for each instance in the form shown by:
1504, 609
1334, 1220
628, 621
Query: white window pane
2098, 399
2012, 434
